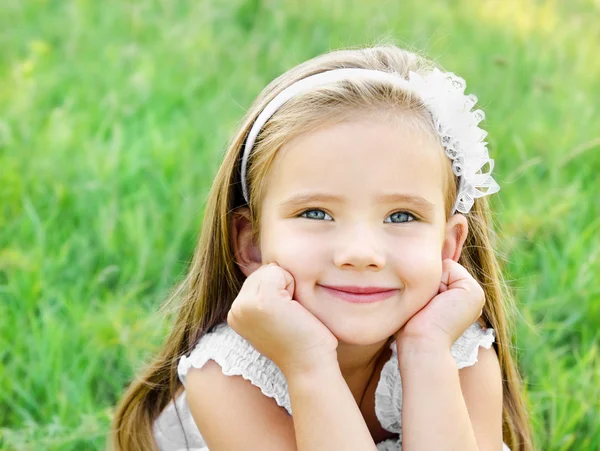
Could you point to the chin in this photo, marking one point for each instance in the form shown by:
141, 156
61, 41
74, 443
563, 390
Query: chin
358, 330
355, 324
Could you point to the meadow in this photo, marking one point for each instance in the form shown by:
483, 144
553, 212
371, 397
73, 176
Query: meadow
114, 116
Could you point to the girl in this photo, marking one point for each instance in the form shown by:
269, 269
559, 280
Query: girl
344, 273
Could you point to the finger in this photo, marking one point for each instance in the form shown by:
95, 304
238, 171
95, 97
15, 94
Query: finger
276, 279
290, 284
251, 285
454, 275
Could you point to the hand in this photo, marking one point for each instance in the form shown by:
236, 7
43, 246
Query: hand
458, 305
279, 327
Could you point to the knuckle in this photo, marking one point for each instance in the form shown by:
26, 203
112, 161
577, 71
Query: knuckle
260, 305
234, 311
271, 267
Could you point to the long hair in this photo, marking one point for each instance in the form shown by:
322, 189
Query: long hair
213, 279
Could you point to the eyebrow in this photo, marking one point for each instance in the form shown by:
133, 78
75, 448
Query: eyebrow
298, 200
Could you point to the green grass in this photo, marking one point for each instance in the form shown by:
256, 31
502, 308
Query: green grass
113, 119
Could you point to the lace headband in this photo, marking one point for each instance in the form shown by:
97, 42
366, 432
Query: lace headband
443, 95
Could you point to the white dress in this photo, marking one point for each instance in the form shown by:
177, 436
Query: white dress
236, 356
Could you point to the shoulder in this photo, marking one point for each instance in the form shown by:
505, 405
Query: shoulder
222, 404
481, 385
484, 373
235, 356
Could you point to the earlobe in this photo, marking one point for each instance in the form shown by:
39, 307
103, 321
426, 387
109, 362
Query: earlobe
246, 253
456, 232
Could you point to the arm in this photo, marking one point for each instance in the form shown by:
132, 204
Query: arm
325, 413
447, 409
233, 414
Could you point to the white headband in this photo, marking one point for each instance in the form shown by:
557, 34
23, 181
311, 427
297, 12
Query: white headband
443, 95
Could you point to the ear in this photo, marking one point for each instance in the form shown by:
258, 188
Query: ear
457, 228
246, 252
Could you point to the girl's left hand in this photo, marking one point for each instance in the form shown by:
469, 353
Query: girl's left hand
458, 304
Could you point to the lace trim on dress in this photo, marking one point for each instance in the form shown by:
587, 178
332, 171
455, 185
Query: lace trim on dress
237, 357
390, 444
172, 435
465, 349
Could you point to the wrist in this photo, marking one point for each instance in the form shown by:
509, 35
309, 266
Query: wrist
309, 368
307, 374
420, 348
430, 340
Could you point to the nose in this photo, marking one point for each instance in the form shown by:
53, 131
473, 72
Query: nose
359, 248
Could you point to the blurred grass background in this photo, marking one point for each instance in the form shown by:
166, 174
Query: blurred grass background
113, 119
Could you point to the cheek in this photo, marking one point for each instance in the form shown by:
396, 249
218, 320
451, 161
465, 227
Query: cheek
298, 253
420, 267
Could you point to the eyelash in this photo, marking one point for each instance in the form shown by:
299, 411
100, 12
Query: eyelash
415, 218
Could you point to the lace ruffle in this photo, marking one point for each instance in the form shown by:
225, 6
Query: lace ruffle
388, 396
457, 126
237, 357
174, 435
390, 445
465, 349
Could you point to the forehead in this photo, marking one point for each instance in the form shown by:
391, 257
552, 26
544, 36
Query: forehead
358, 158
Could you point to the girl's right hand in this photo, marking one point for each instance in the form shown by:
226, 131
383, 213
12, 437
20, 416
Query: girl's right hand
277, 326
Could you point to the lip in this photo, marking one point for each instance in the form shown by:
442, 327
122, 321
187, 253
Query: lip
360, 295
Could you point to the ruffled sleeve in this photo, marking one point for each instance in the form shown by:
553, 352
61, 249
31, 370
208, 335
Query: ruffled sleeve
237, 357
465, 349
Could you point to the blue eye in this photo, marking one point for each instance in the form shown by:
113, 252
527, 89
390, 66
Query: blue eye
400, 217
315, 214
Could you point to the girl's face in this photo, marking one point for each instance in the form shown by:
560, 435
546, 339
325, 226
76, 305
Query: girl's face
359, 203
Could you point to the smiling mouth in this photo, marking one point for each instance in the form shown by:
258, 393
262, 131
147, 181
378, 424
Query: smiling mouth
360, 295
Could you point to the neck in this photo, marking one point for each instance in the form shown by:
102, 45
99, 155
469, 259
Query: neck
357, 364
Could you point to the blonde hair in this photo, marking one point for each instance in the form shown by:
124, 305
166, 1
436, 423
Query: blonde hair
213, 279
